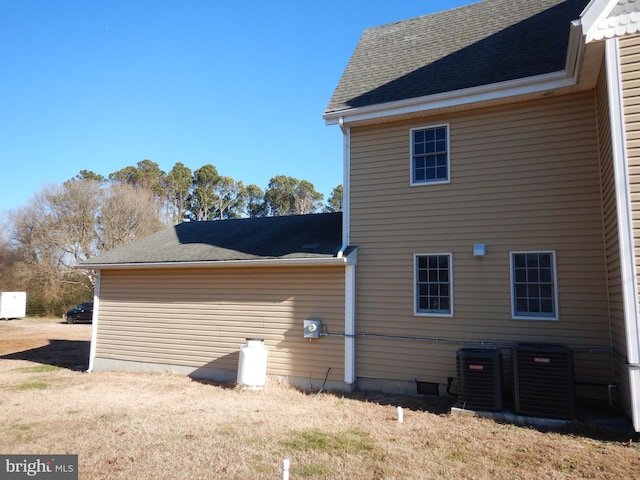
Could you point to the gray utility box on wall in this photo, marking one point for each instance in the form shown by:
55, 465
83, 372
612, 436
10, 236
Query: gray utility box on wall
543, 380
312, 328
479, 378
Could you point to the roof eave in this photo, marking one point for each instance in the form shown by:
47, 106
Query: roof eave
280, 262
521, 87
466, 97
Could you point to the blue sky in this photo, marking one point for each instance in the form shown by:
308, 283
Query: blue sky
100, 85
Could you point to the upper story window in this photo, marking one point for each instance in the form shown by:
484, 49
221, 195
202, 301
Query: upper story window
430, 155
534, 286
433, 285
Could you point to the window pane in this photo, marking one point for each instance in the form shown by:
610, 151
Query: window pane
545, 260
545, 275
444, 276
533, 284
430, 154
429, 135
433, 289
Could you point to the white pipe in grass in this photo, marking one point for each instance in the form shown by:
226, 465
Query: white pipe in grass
400, 414
285, 469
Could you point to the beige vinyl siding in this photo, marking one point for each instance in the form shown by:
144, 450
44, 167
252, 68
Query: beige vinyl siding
523, 178
201, 317
630, 73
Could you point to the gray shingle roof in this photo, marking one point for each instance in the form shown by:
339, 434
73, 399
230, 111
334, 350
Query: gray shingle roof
287, 237
478, 44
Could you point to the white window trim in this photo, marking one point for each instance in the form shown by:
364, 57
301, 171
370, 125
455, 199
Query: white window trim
556, 315
415, 285
435, 182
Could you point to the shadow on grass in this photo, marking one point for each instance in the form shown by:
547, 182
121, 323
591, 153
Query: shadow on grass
426, 403
69, 354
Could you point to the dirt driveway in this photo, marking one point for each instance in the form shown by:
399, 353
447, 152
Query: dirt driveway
47, 341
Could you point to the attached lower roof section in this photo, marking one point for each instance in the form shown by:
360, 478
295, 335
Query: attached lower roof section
314, 239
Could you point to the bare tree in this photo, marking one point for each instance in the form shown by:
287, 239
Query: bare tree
127, 213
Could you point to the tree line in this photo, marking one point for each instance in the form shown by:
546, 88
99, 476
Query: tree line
63, 225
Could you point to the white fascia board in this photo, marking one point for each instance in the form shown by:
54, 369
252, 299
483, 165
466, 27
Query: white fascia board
495, 91
291, 262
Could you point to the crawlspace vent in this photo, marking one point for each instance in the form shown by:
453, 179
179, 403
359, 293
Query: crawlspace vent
479, 379
543, 380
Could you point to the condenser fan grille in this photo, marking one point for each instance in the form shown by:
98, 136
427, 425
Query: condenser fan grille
479, 379
543, 380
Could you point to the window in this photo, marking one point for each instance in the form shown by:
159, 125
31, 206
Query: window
533, 280
433, 292
430, 155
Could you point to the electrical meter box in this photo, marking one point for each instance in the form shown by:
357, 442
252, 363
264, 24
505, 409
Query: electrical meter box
312, 328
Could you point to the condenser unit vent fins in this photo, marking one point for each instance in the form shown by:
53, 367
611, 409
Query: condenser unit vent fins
543, 380
479, 379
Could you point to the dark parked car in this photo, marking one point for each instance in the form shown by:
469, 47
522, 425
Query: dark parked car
81, 313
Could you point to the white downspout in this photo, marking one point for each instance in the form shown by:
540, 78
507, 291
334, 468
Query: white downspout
94, 322
625, 225
350, 269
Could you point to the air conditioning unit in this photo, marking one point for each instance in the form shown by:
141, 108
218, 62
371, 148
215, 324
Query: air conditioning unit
479, 379
543, 380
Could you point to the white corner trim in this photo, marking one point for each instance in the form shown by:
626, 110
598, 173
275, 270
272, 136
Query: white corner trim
94, 322
623, 202
625, 232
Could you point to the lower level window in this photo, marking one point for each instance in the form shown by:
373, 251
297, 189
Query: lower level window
433, 295
533, 279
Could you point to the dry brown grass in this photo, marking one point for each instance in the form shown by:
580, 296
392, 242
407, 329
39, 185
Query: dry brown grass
163, 426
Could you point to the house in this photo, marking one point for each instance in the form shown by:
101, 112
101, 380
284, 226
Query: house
185, 299
491, 172
492, 164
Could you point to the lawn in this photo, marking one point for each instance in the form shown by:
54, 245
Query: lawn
165, 426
